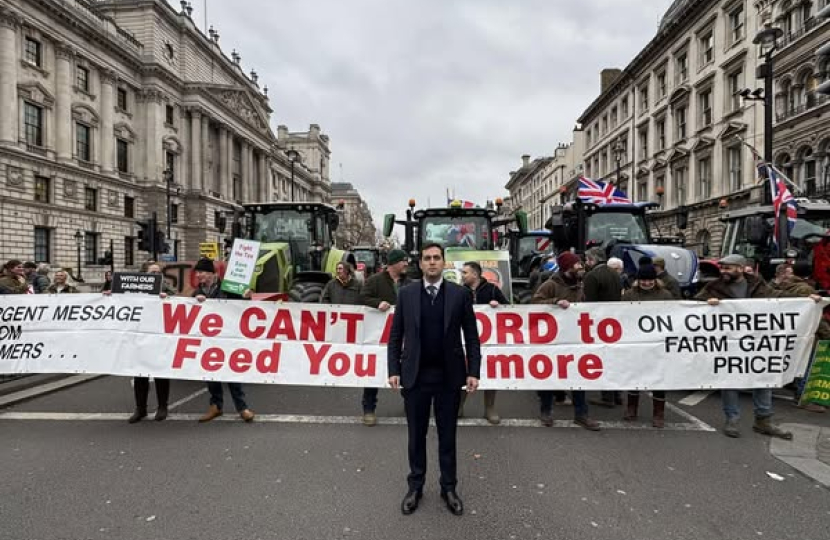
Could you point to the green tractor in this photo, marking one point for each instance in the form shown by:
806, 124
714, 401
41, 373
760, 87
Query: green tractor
453, 227
369, 259
297, 254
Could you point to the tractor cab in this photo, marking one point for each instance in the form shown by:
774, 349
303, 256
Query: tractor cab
750, 233
297, 252
622, 230
368, 259
527, 250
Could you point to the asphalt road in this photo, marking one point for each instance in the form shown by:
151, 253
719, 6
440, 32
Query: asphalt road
308, 470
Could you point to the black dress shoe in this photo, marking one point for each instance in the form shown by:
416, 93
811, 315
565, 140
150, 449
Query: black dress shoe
161, 413
453, 502
137, 416
410, 501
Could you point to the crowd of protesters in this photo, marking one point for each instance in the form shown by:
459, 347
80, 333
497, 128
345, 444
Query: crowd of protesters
559, 281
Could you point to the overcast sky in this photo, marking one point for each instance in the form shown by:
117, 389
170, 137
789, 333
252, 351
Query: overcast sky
423, 95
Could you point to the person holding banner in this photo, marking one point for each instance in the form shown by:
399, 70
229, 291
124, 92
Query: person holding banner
647, 288
141, 385
797, 283
59, 285
603, 283
735, 283
426, 358
343, 288
563, 288
484, 293
210, 286
13, 279
380, 291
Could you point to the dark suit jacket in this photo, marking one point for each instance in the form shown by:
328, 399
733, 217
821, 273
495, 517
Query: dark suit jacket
404, 350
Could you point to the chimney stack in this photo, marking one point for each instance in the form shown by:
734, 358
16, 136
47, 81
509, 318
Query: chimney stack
525, 160
607, 77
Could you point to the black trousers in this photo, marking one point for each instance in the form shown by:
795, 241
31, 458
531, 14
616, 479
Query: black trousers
431, 390
141, 389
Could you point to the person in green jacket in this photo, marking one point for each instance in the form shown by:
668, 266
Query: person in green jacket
380, 291
343, 288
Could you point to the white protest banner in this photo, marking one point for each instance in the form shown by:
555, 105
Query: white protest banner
241, 266
655, 345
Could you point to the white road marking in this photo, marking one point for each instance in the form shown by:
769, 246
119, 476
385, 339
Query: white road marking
700, 424
696, 397
695, 424
187, 398
42, 389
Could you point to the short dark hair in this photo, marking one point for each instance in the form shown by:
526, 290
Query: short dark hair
431, 245
475, 266
29, 264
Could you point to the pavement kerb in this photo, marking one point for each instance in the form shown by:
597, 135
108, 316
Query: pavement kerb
801, 452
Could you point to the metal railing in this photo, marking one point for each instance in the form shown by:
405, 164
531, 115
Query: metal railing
812, 102
808, 25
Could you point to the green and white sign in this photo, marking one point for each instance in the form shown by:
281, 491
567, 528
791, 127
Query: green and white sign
495, 266
241, 266
817, 389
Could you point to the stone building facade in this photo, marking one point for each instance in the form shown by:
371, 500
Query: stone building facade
669, 127
357, 227
99, 100
538, 184
801, 144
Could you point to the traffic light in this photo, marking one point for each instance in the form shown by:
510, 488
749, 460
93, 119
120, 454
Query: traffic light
146, 235
161, 242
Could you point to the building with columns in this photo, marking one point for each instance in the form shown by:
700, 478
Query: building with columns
99, 100
668, 128
357, 228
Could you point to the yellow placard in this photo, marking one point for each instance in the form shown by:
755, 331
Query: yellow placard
209, 250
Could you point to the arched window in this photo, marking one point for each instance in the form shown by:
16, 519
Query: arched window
704, 237
807, 173
785, 98
823, 160
784, 163
810, 85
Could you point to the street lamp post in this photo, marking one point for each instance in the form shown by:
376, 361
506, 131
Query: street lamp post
293, 157
79, 242
767, 40
168, 179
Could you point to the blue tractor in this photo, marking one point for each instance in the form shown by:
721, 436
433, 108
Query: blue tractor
622, 230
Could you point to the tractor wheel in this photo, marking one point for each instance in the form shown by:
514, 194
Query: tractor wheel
295, 293
522, 296
306, 292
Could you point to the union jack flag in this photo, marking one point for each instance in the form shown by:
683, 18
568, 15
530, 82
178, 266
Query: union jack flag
782, 199
599, 192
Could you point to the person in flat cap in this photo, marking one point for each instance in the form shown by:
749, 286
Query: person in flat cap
380, 291
647, 288
210, 287
735, 283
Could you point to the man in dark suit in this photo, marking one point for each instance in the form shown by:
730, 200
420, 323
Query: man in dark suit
427, 361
